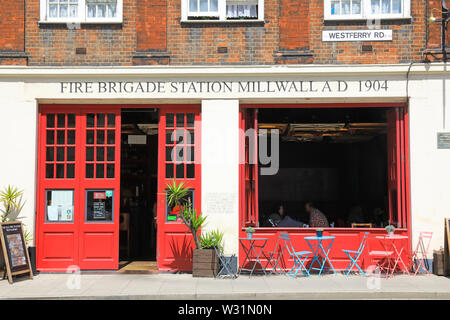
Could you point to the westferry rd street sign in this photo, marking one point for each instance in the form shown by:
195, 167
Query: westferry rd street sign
356, 35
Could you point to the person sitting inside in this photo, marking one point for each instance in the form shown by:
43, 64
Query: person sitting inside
280, 219
316, 218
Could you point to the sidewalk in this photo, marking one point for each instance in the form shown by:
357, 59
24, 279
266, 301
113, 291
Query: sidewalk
184, 286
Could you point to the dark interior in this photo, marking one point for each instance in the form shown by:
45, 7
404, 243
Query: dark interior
138, 183
335, 158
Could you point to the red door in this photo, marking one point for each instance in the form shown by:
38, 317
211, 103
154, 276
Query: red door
396, 167
249, 167
179, 158
78, 187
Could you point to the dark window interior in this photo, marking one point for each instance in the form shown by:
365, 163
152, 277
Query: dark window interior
138, 189
335, 158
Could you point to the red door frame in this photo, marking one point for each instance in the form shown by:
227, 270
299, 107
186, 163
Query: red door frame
60, 245
166, 242
402, 148
174, 241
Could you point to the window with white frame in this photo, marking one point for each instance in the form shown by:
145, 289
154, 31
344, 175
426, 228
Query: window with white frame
366, 9
89, 11
222, 10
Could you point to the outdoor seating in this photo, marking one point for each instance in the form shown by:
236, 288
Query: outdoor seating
419, 257
321, 253
393, 246
354, 256
299, 257
225, 264
275, 256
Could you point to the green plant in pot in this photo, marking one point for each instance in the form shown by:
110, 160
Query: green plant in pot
319, 232
390, 230
250, 231
205, 262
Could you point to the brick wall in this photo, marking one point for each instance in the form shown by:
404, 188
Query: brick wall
56, 44
245, 43
152, 34
12, 32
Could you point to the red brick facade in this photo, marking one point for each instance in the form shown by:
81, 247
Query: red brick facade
12, 33
152, 34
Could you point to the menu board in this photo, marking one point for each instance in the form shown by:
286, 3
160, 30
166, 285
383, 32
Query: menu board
14, 249
99, 205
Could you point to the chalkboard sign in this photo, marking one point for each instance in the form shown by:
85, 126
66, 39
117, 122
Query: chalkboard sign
14, 250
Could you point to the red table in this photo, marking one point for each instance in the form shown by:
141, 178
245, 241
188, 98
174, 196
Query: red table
394, 244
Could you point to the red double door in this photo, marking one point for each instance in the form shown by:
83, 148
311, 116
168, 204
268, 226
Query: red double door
77, 222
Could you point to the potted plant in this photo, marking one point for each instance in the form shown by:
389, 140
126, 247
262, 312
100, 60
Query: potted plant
250, 231
390, 230
204, 261
319, 233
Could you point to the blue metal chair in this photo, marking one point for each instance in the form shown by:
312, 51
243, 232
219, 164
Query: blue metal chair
299, 257
354, 256
225, 264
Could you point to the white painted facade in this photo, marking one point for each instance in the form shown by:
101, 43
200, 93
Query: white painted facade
425, 86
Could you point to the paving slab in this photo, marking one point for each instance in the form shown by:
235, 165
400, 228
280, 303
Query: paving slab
184, 286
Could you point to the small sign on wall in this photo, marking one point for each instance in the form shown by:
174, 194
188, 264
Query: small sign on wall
137, 139
443, 140
356, 35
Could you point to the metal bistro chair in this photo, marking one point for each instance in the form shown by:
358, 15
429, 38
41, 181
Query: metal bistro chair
225, 267
274, 257
419, 258
354, 256
299, 257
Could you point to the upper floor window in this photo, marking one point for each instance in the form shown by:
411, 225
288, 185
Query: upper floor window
366, 9
81, 11
222, 10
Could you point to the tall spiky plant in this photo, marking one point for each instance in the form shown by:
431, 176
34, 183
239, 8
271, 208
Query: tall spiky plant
178, 196
11, 201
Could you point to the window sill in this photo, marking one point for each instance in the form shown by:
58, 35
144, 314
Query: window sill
337, 19
81, 23
233, 21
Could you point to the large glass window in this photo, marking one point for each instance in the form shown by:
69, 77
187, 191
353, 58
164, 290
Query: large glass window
59, 206
81, 11
222, 10
366, 9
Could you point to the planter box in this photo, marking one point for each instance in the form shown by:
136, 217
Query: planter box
205, 263
438, 263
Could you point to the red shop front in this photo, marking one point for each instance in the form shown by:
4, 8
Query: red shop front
351, 160
100, 163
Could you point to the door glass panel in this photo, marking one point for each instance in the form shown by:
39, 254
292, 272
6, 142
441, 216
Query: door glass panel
63, 162
99, 205
61, 120
60, 137
60, 171
59, 206
101, 152
50, 120
172, 214
70, 171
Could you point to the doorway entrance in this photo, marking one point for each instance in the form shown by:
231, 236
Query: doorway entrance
138, 189
102, 175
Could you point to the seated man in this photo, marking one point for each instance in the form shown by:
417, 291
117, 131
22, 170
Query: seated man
316, 218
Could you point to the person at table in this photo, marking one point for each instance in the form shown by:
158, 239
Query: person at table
316, 218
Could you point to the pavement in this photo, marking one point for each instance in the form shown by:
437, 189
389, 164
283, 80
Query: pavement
184, 286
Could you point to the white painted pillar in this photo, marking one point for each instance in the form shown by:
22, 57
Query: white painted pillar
18, 137
220, 169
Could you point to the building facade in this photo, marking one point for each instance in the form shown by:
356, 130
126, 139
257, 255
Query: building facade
105, 102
